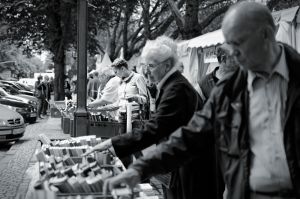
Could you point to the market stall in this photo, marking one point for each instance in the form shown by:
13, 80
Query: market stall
63, 173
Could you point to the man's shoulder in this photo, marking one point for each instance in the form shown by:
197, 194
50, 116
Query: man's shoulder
113, 82
179, 85
292, 60
208, 77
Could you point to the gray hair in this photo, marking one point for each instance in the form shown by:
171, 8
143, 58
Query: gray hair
161, 49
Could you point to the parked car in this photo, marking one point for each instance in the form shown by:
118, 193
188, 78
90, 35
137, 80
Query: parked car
12, 91
17, 87
28, 111
12, 125
24, 98
25, 87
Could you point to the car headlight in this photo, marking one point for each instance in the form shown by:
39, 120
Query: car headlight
12, 108
21, 109
22, 120
33, 102
3, 122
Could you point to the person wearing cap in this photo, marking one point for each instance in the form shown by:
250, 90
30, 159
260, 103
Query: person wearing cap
176, 101
226, 64
252, 116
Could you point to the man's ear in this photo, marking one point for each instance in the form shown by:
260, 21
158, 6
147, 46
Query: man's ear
169, 64
267, 32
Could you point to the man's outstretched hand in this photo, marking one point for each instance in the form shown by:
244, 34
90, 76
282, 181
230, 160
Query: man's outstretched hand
130, 177
99, 147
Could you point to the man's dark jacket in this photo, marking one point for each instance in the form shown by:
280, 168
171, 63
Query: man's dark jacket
208, 82
224, 121
175, 105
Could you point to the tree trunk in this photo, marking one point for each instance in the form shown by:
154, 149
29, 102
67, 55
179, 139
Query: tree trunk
191, 19
146, 18
127, 12
59, 72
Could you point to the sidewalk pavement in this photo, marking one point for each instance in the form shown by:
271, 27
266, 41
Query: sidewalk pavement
18, 167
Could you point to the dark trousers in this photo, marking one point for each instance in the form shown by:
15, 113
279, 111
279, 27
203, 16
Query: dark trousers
45, 107
41, 102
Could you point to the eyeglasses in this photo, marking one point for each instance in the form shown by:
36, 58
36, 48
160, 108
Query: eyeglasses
153, 66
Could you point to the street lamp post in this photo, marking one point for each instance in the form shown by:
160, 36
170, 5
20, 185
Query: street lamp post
81, 115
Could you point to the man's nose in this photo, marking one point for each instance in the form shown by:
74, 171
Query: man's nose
147, 70
234, 52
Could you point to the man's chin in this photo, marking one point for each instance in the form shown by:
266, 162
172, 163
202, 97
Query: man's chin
152, 80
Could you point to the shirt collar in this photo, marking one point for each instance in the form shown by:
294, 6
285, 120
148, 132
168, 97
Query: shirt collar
280, 68
164, 79
126, 79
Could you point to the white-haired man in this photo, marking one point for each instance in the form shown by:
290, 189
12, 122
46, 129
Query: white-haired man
176, 102
252, 115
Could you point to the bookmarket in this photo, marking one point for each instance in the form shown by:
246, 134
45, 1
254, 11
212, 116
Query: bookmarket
64, 172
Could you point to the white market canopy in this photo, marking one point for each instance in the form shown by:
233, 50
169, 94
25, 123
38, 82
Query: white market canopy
286, 20
106, 61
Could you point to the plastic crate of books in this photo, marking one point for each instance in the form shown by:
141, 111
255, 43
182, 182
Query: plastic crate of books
66, 125
60, 104
106, 129
54, 112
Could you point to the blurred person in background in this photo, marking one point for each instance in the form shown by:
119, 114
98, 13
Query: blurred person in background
132, 89
226, 65
47, 95
67, 88
39, 92
109, 94
73, 89
93, 85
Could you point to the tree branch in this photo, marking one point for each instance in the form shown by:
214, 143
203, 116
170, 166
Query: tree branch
210, 5
211, 17
175, 11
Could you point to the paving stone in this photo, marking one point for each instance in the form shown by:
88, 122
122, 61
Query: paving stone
15, 163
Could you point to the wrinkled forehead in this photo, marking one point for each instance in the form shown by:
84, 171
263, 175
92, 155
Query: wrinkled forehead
235, 28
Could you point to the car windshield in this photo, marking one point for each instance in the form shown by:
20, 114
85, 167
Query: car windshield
9, 89
3, 92
23, 87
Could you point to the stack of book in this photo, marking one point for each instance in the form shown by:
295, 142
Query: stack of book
60, 173
90, 140
75, 151
64, 176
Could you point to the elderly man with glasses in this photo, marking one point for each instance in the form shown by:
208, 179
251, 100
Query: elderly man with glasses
176, 101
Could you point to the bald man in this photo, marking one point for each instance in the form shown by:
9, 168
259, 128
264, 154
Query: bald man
253, 116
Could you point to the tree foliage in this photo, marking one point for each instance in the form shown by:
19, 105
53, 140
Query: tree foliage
114, 26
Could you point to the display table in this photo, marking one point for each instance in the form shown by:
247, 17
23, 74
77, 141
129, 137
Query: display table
65, 174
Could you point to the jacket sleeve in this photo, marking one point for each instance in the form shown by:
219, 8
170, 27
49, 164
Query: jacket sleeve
182, 145
171, 113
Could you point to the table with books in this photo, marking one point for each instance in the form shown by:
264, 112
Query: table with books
63, 173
